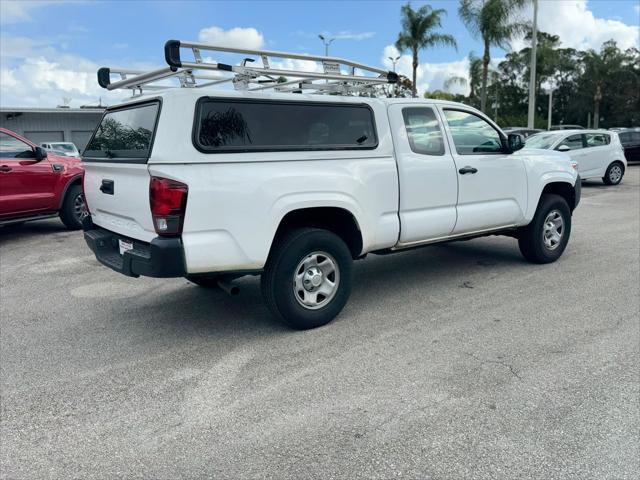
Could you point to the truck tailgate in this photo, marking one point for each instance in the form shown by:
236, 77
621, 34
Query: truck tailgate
118, 198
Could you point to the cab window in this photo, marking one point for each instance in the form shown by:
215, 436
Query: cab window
423, 131
11, 147
574, 142
259, 125
472, 135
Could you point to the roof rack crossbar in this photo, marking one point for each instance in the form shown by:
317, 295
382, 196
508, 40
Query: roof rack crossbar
337, 75
175, 45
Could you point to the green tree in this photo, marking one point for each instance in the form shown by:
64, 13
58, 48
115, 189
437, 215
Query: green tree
598, 68
492, 21
474, 77
419, 31
442, 95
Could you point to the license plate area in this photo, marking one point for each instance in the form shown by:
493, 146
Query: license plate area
124, 246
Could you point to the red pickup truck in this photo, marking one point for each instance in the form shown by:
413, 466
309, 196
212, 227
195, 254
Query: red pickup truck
35, 184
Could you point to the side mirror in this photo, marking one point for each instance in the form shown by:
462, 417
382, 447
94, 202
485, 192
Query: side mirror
40, 154
563, 148
515, 142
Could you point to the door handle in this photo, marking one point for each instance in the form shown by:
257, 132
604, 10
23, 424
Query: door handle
107, 187
5, 168
467, 169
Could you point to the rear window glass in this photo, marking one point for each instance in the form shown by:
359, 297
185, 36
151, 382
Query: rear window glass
423, 131
228, 126
124, 133
597, 139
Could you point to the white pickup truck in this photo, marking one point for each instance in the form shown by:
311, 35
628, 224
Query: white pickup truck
212, 186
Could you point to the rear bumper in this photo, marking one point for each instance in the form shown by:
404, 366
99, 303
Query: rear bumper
162, 258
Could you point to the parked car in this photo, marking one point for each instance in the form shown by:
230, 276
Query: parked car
597, 153
630, 140
566, 127
215, 185
525, 132
36, 184
68, 148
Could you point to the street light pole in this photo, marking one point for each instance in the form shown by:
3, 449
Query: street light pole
326, 43
393, 61
550, 108
532, 79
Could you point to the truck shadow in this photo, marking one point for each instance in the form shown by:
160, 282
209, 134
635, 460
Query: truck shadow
186, 310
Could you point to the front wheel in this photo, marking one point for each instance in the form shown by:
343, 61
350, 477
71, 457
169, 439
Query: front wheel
73, 208
307, 279
546, 237
614, 174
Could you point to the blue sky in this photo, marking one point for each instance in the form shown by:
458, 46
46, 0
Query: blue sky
67, 40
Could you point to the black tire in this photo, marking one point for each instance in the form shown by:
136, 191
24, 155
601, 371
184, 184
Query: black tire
531, 239
204, 281
71, 212
611, 176
278, 280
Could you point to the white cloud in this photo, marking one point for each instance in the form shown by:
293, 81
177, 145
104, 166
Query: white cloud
15, 11
578, 27
35, 74
341, 35
248, 38
349, 35
429, 76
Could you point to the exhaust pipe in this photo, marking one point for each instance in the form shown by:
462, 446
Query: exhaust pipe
228, 287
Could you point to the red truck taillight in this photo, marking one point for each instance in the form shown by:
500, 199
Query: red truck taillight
168, 200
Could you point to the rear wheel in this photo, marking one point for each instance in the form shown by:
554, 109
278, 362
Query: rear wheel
73, 208
307, 279
614, 174
546, 237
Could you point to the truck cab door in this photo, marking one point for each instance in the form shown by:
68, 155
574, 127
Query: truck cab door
427, 174
492, 184
26, 185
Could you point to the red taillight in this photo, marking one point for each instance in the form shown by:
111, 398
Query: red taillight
168, 204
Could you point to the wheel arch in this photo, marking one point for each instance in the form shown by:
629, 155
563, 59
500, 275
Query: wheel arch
563, 189
338, 220
75, 180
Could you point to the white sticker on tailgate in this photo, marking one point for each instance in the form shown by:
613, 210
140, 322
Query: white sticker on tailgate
124, 246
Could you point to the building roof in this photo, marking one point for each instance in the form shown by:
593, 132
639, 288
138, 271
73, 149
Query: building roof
51, 110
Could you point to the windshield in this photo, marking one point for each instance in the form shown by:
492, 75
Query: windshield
124, 133
541, 140
68, 147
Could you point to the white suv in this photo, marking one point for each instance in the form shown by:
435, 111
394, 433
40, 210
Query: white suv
596, 153
295, 187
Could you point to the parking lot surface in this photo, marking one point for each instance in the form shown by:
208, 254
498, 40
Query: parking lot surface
453, 361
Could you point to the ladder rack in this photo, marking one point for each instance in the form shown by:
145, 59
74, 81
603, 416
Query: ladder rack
330, 75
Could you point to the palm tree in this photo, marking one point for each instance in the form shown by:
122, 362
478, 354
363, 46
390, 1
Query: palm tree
419, 32
492, 21
598, 68
474, 76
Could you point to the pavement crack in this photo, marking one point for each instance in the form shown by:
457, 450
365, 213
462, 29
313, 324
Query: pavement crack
511, 368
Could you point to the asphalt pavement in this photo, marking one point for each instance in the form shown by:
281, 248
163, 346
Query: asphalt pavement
449, 362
